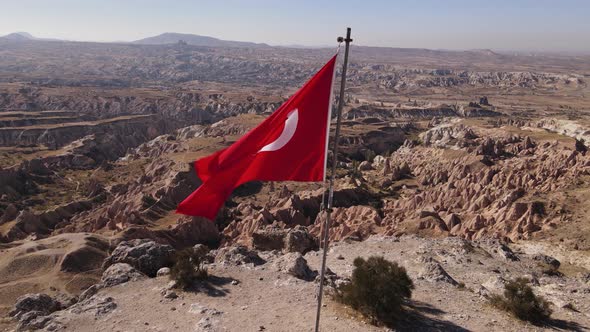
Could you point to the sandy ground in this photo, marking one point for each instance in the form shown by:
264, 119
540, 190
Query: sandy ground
261, 299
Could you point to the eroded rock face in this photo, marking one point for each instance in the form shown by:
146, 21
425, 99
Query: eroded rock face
145, 255
43, 224
356, 221
151, 195
476, 199
449, 135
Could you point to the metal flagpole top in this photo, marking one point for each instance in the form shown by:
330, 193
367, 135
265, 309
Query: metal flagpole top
347, 40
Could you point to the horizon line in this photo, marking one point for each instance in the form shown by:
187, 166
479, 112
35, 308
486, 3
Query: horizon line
306, 46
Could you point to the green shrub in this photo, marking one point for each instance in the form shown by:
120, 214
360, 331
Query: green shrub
377, 289
188, 267
520, 301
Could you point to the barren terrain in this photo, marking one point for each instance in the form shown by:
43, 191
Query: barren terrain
445, 155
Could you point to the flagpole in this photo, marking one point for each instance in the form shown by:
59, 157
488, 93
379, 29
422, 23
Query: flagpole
326, 234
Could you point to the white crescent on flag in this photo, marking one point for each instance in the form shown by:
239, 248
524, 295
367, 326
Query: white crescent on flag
286, 135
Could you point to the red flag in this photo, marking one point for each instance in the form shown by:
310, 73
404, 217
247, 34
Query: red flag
290, 145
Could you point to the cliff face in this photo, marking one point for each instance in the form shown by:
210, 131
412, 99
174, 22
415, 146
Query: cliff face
417, 113
56, 136
181, 105
55, 117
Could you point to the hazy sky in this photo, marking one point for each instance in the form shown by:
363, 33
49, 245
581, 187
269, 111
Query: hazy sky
539, 25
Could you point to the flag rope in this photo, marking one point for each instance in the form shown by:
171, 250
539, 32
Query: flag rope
324, 183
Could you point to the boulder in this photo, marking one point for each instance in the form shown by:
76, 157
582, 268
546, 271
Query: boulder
299, 240
97, 305
270, 238
331, 279
378, 161
42, 304
296, 239
507, 253
295, 265
498, 248
163, 272
145, 255
365, 166
580, 146
9, 214
547, 260
239, 255
33, 321
120, 273
495, 284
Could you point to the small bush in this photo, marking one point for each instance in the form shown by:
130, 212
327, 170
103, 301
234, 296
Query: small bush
377, 289
520, 301
355, 173
188, 267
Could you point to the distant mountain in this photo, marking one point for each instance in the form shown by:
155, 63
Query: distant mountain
24, 36
173, 38
18, 36
483, 51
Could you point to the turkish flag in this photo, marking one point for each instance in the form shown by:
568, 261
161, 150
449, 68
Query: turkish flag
290, 145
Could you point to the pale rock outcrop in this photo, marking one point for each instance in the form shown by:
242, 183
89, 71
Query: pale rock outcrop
238, 255
120, 273
295, 265
432, 271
